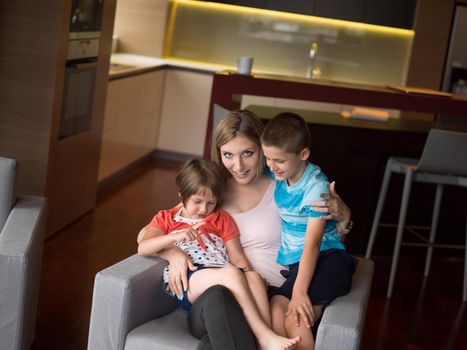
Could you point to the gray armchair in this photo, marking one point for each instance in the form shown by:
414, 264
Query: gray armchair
131, 311
22, 226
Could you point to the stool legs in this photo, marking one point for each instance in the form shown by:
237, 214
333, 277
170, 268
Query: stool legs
434, 225
379, 208
400, 229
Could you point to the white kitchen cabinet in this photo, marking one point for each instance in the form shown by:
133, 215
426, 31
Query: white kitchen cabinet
131, 121
185, 111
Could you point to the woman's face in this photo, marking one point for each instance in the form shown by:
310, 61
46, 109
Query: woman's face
240, 157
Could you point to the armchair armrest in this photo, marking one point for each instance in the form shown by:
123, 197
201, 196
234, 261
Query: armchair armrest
21, 248
341, 326
125, 296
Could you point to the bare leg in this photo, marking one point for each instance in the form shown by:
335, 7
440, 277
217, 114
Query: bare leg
235, 281
278, 310
286, 325
259, 292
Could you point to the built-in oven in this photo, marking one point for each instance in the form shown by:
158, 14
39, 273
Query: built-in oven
78, 97
81, 66
85, 28
86, 16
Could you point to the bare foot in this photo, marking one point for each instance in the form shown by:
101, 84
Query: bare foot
276, 342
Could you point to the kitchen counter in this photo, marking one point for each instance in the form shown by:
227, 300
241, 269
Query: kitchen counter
124, 64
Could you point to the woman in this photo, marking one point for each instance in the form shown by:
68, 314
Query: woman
215, 317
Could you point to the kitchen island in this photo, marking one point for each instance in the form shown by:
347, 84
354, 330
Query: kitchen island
228, 86
352, 152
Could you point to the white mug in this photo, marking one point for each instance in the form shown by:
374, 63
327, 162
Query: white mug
244, 65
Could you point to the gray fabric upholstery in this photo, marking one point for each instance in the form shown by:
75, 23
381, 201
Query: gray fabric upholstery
130, 311
342, 323
21, 247
7, 187
126, 295
169, 333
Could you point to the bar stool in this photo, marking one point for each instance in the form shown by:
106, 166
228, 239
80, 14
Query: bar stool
443, 162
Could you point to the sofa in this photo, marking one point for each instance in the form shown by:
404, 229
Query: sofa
131, 311
22, 228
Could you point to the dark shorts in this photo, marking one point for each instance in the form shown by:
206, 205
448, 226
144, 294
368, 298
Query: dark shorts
332, 277
185, 303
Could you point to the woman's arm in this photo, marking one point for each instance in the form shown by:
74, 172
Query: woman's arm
236, 254
179, 262
300, 305
336, 209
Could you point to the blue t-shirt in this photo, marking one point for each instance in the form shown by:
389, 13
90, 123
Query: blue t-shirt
294, 205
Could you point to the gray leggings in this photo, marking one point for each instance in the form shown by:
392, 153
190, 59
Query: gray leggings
217, 320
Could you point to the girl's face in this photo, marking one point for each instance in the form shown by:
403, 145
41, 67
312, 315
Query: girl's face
199, 205
240, 157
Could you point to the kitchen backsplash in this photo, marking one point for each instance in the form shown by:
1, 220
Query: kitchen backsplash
289, 44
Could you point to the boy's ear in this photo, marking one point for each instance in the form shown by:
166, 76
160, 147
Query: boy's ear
304, 153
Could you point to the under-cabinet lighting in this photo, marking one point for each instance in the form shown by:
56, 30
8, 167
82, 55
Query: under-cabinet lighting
287, 15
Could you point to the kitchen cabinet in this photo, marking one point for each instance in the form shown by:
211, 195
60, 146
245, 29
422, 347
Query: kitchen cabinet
349, 10
394, 13
391, 13
249, 3
301, 7
185, 111
131, 121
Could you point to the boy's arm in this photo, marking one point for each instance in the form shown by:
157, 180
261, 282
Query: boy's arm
300, 304
236, 254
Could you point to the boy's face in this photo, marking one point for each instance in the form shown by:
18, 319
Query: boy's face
199, 205
285, 165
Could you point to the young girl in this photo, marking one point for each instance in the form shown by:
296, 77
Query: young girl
210, 238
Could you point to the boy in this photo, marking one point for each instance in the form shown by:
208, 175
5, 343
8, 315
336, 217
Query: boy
319, 268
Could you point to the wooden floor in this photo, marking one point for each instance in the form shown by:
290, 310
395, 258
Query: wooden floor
423, 314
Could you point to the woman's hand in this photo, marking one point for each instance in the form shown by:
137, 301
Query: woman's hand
179, 264
334, 206
301, 309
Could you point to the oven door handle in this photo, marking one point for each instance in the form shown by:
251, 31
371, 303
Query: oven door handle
82, 65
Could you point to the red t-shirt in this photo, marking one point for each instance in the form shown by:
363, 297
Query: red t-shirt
219, 223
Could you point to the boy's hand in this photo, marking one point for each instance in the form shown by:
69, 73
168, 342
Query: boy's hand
301, 309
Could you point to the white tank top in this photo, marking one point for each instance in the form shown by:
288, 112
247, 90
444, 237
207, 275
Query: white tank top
260, 237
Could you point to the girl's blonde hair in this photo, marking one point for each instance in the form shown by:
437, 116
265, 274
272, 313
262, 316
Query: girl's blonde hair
196, 176
237, 123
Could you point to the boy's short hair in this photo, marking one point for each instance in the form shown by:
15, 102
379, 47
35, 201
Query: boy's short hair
287, 131
198, 174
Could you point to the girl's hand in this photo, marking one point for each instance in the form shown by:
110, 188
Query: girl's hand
179, 265
188, 234
185, 235
301, 309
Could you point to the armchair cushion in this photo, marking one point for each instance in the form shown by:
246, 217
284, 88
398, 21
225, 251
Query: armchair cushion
127, 295
342, 324
21, 246
7, 188
126, 316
